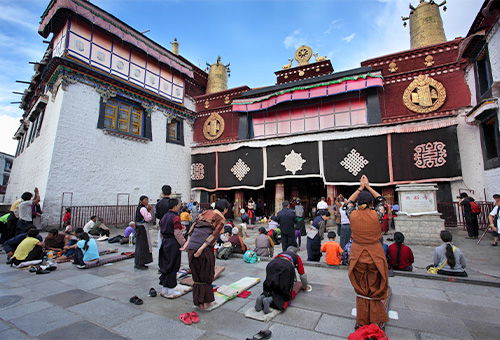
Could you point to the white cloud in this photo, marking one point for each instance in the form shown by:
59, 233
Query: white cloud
8, 126
18, 16
349, 37
334, 24
294, 40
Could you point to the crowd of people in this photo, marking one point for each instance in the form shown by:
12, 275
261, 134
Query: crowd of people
360, 223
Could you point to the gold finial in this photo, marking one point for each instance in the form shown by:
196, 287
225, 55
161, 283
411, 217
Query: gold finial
426, 25
287, 66
217, 76
175, 46
303, 54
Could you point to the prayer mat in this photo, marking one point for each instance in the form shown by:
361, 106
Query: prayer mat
182, 289
235, 288
188, 281
260, 316
102, 262
101, 253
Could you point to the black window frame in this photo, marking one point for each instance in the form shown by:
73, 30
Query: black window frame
146, 133
490, 162
180, 131
483, 74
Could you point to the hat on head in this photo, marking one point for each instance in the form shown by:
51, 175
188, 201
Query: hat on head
495, 196
235, 231
293, 249
462, 195
365, 197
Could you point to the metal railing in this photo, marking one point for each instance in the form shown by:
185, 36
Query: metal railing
453, 214
110, 215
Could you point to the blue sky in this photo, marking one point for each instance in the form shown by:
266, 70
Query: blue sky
256, 37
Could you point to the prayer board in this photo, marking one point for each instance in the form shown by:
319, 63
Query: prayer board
188, 281
234, 288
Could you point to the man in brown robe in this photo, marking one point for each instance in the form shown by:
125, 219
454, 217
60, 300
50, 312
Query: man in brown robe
368, 271
200, 246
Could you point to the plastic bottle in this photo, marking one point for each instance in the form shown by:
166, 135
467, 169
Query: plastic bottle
130, 240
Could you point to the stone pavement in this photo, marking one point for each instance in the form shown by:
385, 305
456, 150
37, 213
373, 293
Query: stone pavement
93, 304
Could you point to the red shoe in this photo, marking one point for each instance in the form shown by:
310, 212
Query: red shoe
195, 318
186, 318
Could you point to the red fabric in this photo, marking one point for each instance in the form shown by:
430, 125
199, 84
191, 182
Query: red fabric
369, 331
384, 226
67, 217
244, 294
300, 266
405, 258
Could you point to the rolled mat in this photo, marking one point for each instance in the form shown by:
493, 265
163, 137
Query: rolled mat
111, 259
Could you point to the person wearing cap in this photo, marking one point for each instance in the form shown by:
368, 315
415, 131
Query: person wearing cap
239, 246
368, 270
471, 222
278, 289
493, 219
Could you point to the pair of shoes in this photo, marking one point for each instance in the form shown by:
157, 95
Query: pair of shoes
189, 318
262, 335
141, 267
136, 300
152, 292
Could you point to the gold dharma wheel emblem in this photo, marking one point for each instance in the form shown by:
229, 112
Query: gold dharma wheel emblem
213, 126
303, 54
424, 94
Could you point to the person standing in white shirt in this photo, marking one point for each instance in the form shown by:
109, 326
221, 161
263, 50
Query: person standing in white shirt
493, 219
322, 205
25, 211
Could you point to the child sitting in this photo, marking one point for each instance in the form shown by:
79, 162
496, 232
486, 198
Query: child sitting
332, 249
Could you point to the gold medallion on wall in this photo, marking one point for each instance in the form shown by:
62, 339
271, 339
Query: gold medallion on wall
213, 126
424, 95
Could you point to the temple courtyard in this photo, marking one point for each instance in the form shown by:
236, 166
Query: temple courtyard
93, 303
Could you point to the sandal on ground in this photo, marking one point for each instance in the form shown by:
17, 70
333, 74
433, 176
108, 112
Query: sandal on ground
152, 292
195, 318
262, 335
136, 300
186, 318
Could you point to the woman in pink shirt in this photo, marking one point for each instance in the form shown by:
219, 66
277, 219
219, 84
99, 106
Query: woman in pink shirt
143, 248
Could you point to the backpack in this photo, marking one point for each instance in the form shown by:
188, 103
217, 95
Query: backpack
475, 208
250, 256
223, 253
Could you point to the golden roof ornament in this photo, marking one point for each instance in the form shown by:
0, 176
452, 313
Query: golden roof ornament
426, 25
213, 126
303, 54
217, 76
175, 46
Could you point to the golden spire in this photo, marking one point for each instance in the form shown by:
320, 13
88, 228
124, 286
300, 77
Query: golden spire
175, 46
426, 25
217, 76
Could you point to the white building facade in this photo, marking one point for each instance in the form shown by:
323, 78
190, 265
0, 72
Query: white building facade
108, 116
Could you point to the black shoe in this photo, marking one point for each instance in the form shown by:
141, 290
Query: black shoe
42, 271
152, 292
141, 267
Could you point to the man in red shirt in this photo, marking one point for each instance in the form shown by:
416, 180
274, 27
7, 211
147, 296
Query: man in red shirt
400, 256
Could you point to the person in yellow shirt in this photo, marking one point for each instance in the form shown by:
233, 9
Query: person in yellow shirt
29, 249
332, 250
185, 218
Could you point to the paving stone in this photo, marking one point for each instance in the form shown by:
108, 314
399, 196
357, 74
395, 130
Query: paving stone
467, 299
483, 330
105, 312
86, 281
13, 334
81, 330
423, 322
9, 300
70, 298
298, 318
430, 336
324, 304
48, 286
288, 332
23, 309
45, 320
335, 325
396, 333
151, 326
415, 291
215, 336
233, 305
4, 325
222, 318
321, 289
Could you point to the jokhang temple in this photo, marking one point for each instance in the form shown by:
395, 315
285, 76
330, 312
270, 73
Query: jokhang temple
149, 117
